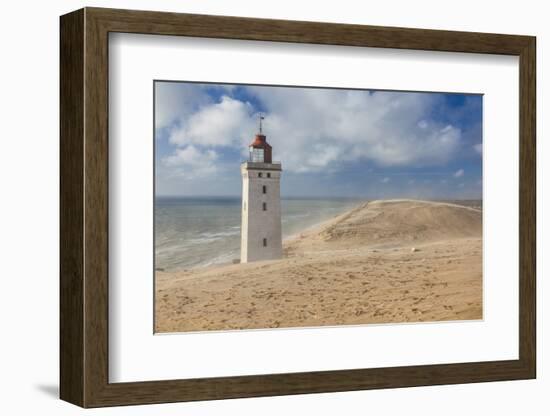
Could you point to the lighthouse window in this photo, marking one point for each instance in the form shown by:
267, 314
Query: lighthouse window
256, 155
264, 188
265, 242
268, 174
264, 206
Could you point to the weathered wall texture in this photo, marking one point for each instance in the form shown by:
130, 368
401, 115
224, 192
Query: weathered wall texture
259, 224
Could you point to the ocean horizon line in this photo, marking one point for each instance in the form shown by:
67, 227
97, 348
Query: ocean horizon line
230, 197
307, 198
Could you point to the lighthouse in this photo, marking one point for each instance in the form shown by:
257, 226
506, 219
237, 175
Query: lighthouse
261, 237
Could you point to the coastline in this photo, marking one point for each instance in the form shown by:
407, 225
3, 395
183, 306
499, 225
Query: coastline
379, 262
295, 221
321, 224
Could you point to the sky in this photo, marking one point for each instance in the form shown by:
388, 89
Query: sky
331, 142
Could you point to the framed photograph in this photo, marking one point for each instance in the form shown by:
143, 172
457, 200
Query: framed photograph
255, 207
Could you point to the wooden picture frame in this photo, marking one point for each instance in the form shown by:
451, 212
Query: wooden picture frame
84, 207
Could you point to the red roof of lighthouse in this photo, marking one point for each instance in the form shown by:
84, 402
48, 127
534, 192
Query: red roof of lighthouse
260, 142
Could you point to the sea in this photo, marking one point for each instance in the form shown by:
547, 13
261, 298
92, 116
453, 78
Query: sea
204, 231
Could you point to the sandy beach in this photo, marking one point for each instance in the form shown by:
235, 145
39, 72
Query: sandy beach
389, 261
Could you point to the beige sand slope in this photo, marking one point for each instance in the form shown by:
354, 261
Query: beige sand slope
382, 262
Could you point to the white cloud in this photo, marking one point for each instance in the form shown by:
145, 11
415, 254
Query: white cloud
191, 162
382, 128
459, 173
174, 100
320, 156
226, 123
319, 129
478, 148
385, 180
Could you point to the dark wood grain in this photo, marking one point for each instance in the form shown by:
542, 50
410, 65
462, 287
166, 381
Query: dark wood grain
527, 208
226, 27
84, 207
71, 100
96, 223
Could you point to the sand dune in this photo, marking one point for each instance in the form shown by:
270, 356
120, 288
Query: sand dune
398, 223
384, 261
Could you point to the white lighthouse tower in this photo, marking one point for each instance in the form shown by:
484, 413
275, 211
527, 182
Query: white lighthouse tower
261, 237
